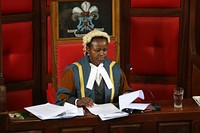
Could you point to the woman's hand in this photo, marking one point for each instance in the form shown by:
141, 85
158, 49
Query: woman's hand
86, 101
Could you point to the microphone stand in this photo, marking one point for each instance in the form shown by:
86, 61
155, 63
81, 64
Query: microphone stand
155, 107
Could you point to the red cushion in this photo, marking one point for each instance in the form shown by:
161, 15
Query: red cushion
156, 3
154, 45
17, 43
111, 51
17, 100
160, 91
69, 53
16, 6
51, 94
48, 2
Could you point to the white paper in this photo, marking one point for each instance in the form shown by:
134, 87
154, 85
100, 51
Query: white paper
196, 99
72, 109
107, 108
106, 111
45, 111
113, 115
125, 100
138, 106
51, 111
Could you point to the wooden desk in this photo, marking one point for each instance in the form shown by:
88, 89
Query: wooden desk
168, 120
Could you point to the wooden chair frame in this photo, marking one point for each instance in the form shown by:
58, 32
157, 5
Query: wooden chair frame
55, 32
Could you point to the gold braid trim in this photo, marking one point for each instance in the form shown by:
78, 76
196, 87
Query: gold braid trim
81, 78
112, 80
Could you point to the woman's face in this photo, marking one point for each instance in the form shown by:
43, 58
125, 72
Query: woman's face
98, 50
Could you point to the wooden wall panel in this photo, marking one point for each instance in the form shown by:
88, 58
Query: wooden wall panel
195, 80
45, 48
1, 53
78, 130
194, 49
131, 128
174, 127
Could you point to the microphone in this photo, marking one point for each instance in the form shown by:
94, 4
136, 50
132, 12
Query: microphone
155, 106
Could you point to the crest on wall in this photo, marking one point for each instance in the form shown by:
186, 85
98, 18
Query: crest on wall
85, 16
78, 18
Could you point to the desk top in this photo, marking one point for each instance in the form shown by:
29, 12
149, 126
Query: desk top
167, 109
187, 116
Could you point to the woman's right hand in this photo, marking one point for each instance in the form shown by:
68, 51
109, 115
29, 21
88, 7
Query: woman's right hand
85, 101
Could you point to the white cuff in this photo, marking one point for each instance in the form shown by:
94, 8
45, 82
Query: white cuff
76, 101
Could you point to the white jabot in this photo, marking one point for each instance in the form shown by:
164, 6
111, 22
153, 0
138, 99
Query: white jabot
97, 73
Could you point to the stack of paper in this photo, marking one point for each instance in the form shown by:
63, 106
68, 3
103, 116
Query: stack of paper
51, 111
106, 111
109, 111
125, 101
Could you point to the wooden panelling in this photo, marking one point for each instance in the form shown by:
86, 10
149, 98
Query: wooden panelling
195, 80
174, 127
1, 49
197, 33
45, 45
183, 45
78, 130
194, 49
16, 18
3, 122
133, 128
38, 131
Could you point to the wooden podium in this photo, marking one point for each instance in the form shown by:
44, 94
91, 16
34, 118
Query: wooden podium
168, 120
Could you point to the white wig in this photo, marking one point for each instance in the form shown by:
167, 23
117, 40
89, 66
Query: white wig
94, 33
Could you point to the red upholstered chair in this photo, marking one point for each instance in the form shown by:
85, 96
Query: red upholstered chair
154, 51
17, 40
65, 55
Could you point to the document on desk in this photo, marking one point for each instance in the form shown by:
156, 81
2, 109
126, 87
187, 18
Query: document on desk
51, 111
196, 99
125, 101
106, 111
106, 108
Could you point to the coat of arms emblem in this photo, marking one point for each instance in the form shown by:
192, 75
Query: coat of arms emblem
85, 16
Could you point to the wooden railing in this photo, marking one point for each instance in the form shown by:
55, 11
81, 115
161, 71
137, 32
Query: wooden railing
194, 49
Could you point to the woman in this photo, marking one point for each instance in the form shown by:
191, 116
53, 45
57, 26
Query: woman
94, 78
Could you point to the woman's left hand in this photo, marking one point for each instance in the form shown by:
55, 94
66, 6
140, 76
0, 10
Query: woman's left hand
85, 101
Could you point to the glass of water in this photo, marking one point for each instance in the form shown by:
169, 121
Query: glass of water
178, 97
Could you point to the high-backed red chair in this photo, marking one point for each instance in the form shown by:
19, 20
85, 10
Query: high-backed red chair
153, 53
66, 54
68, 49
17, 40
